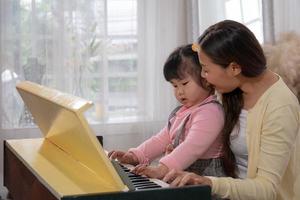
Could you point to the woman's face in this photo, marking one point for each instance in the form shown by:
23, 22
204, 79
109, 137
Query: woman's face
224, 80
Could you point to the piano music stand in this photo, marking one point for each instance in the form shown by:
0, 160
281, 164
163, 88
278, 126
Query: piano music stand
68, 162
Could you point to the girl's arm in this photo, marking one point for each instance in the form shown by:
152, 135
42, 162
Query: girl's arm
153, 147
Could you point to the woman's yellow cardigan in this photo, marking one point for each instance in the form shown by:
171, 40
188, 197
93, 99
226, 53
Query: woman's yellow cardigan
273, 143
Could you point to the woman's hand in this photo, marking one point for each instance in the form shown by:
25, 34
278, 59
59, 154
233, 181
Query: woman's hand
124, 157
180, 178
151, 171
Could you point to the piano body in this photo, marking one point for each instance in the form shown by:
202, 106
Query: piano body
68, 162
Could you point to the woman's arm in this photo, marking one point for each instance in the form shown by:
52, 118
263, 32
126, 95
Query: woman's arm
180, 178
275, 143
158, 171
270, 145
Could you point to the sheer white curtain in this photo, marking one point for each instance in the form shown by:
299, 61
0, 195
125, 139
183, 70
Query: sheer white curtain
286, 16
108, 51
86, 49
280, 17
244, 11
210, 12
163, 28
56, 43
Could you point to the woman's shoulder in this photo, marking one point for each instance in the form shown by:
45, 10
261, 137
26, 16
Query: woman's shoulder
279, 93
282, 92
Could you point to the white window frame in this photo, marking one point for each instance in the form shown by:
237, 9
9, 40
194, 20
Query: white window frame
108, 128
258, 19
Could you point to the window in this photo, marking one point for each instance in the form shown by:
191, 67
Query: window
86, 48
248, 13
122, 61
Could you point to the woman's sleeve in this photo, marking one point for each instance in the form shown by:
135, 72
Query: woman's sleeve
277, 138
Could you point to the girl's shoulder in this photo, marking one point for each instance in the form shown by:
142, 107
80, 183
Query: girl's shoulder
212, 102
212, 107
209, 105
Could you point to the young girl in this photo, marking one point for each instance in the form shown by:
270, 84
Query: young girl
191, 140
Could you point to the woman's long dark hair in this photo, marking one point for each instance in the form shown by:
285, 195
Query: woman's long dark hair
226, 42
232, 104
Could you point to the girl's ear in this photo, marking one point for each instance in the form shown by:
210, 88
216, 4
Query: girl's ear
234, 69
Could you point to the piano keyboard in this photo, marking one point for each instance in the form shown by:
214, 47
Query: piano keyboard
137, 182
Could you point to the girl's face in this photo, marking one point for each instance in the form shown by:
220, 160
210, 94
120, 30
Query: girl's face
224, 80
188, 92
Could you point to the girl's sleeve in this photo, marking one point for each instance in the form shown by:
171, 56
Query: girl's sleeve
278, 135
205, 126
153, 147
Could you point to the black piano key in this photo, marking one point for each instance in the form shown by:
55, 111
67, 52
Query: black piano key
123, 175
148, 187
138, 180
145, 184
142, 184
133, 175
135, 182
137, 177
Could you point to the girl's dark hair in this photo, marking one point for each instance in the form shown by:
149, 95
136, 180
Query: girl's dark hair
182, 61
226, 42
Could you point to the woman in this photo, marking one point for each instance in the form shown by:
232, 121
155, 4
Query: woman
265, 139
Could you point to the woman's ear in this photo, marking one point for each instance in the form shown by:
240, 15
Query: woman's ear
234, 69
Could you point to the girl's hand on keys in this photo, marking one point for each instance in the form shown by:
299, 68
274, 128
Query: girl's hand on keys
124, 157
